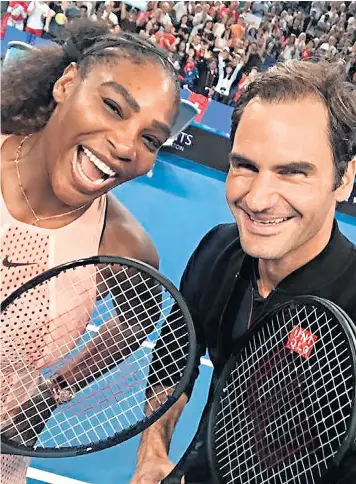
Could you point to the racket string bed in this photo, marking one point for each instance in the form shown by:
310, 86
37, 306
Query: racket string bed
142, 368
121, 309
282, 416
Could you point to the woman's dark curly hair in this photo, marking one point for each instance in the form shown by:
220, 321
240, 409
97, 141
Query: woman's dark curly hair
27, 84
294, 80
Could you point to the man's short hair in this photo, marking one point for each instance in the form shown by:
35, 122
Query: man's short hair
294, 80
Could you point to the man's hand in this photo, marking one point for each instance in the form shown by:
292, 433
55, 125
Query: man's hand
153, 463
152, 471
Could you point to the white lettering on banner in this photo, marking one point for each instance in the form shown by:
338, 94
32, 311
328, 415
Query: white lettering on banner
185, 138
178, 147
182, 141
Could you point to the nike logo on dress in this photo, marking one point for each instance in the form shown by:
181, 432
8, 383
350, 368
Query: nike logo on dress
7, 263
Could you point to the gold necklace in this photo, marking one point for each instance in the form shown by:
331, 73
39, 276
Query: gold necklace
37, 219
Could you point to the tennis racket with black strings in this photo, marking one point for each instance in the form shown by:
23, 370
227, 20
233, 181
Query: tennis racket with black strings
76, 350
284, 410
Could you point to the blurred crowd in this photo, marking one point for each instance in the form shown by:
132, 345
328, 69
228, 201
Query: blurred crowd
216, 47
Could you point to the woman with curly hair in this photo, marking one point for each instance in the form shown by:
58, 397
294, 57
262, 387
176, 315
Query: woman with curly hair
77, 121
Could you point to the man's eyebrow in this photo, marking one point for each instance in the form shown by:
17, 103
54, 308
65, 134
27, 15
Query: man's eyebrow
306, 166
297, 166
236, 158
120, 89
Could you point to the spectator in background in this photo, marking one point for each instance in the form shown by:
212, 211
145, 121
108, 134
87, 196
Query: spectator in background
234, 12
259, 8
244, 83
238, 30
300, 45
56, 19
332, 47
286, 30
128, 19
227, 76
17, 14
297, 27
201, 16
166, 39
289, 49
37, 13
223, 42
148, 30
307, 52
206, 33
221, 10
180, 55
253, 59
183, 28
165, 17
156, 15
83, 11
251, 35
144, 16
312, 25
196, 44
273, 48
220, 26
208, 75
98, 13
180, 10
184, 23
323, 25
190, 73
73, 12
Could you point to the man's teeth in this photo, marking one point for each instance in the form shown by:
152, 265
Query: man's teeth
269, 222
98, 163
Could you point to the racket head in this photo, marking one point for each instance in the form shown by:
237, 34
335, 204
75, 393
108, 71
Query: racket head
263, 442
162, 307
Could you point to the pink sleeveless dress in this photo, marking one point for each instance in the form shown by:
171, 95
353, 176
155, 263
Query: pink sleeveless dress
40, 249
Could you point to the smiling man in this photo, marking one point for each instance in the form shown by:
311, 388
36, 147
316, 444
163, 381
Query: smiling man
292, 161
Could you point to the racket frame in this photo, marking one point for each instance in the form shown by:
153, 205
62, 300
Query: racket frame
9, 447
349, 329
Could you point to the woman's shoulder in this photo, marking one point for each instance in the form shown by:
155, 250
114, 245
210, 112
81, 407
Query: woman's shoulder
3, 138
11, 142
124, 236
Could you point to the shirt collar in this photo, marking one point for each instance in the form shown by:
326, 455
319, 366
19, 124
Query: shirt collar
320, 271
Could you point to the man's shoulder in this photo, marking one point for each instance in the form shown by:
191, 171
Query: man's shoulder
344, 287
213, 255
217, 240
337, 280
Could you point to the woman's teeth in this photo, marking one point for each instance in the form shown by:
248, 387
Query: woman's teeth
98, 163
